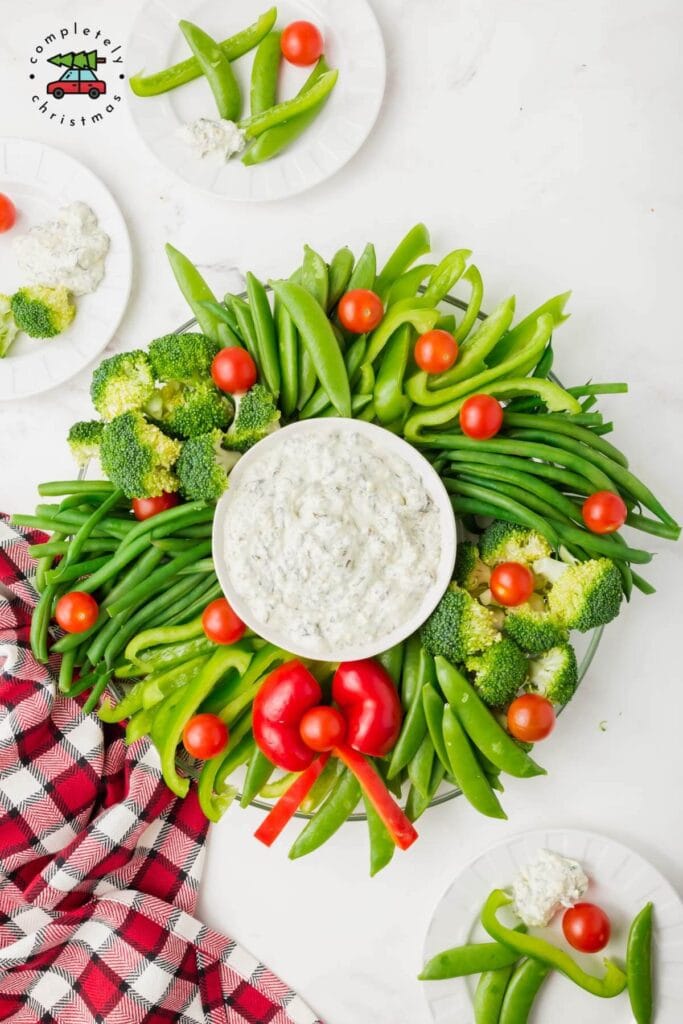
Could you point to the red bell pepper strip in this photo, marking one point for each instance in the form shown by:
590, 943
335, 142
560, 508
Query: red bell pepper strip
290, 802
396, 823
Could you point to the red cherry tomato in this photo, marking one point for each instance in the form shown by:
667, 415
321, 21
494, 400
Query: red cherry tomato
481, 417
436, 351
360, 311
511, 583
301, 43
370, 704
220, 623
531, 717
233, 370
323, 728
8, 213
204, 736
279, 706
586, 927
145, 508
76, 611
604, 512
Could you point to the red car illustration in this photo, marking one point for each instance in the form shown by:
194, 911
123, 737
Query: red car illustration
77, 80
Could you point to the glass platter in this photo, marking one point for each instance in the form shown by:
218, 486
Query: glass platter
585, 646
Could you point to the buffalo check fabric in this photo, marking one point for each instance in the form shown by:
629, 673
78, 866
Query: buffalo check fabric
100, 863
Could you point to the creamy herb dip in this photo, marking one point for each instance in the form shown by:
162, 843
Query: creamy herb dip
213, 137
68, 251
331, 538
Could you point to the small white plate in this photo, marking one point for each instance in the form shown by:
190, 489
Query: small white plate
40, 180
621, 881
353, 44
386, 441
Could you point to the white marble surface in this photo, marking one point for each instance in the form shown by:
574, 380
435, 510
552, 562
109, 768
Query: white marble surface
547, 137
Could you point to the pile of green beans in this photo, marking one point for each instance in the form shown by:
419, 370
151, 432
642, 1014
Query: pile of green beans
270, 126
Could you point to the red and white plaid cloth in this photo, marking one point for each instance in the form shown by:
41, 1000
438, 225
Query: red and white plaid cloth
100, 864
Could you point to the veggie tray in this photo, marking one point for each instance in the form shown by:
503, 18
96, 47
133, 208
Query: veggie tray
538, 490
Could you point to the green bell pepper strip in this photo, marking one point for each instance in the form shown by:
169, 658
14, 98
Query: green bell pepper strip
392, 661
214, 800
366, 380
471, 958
259, 771
264, 73
408, 284
245, 321
273, 141
139, 725
466, 770
187, 70
161, 637
250, 681
489, 995
421, 318
341, 268
157, 686
365, 271
611, 984
446, 275
421, 764
382, 846
223, 659
481, 726
367, 414
330, 817
288, 354
434, 709
390, 401
522, 989
474, 280
273, 790
234, 755
639, 966
281, 112
216, 68
517, 337
415, 244
195, 291
266, 342
446, 322
165, 657
319, 340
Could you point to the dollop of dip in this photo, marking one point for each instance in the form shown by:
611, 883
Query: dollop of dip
213, 137
332, 538
545, 885
68, 251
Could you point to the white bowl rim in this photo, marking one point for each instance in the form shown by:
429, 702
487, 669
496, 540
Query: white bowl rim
435, 488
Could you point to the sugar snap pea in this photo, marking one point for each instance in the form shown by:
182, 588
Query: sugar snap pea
489, 994
314, 278
264, 327
264, 73
639, 966
216, 68
522, 989
196, 291
471, 958
341, 268
259, 771
466, 769
421, 764
382, 846
365, 270
245, 322
415, 244
277, 138
258, 123
390, 401
341, 802
434, 709
288, 353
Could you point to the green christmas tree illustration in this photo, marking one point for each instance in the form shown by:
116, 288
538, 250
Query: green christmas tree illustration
78, 59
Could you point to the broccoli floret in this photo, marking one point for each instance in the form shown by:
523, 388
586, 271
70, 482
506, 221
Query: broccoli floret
138, 457
8, 327
185, 357
189, 411
555, 673
256, 415
84, 439
42, 312
203, 467
548, 570
122, 383
586, 595
498, 673
458, 626
508, 542
533, 627
470, 572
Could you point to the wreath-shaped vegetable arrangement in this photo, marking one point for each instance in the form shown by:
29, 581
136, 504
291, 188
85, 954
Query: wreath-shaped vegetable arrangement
540, 491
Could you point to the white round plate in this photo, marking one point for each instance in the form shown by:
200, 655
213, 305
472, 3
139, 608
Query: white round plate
316, 648
353, 44
40, 179
621, 881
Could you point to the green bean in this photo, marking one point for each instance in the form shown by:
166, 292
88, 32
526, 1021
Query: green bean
64, 522
408, 284
466, 769
341, 802
76, 571
56, 488
574, 482
508, 505
415, 244
598, 389
643, 586
553, 425
273, 141
259, 771
382, 846
288, 346
264, 73
196, 291
281, 112
320, 342
216, 68
122, 557
522, 990
176, 616
341, 268
85, 682
539, 496
60, 547
187, 70
66, 671
170, 520
40, 621
264, 328
96, 692
161, 575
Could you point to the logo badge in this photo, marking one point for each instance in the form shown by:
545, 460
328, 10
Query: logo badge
77, 72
